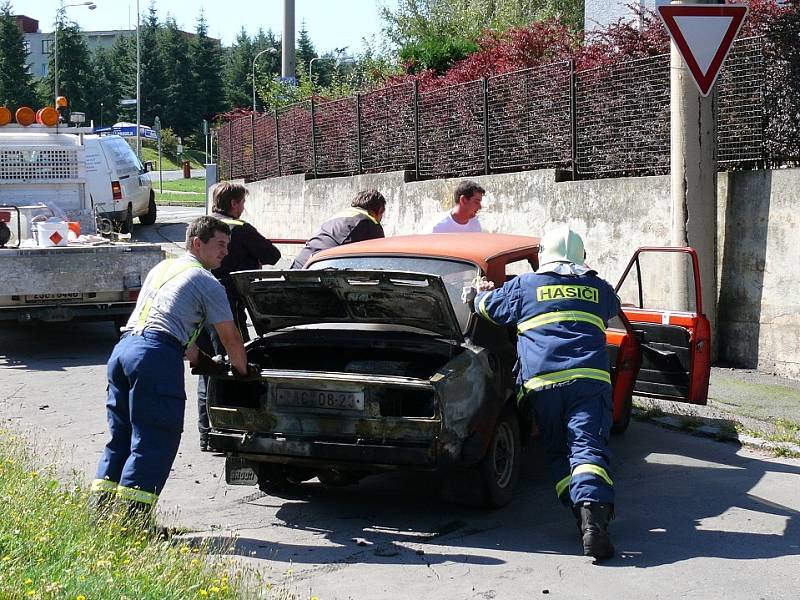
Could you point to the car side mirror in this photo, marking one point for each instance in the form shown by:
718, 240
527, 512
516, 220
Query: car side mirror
148, 166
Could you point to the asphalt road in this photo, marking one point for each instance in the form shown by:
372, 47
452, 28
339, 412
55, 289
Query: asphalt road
696, 518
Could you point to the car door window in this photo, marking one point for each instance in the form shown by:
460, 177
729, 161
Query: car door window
660, 281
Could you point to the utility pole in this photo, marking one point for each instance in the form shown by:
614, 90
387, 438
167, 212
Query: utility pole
288, 59
138, 88
693, 179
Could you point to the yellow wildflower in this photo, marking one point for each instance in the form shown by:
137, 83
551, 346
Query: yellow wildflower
28, 581
31, 592
203, 593
213, 589
184, 549
195, 561
80, 597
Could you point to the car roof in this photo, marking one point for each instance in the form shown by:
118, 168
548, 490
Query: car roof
478, 248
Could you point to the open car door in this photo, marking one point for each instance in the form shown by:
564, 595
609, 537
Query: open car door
661, 297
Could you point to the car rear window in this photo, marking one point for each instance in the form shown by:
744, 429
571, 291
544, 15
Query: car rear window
454, 274
120, 153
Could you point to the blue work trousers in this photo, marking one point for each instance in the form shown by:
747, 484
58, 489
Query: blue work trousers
574, 423
145, 406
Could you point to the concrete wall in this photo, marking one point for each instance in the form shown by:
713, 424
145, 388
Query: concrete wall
758, 255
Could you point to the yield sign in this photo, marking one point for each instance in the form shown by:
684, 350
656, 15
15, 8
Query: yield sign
703, 34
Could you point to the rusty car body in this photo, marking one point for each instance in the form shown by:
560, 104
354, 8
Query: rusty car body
370, 362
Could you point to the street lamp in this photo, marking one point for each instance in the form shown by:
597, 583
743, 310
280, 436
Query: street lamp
339, 60
59, 17
271, 50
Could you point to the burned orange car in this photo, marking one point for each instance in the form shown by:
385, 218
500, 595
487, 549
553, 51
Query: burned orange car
370, 361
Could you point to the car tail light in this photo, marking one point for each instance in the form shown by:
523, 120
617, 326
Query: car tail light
133, 295
116, 190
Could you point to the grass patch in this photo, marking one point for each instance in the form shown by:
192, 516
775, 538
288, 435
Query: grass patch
647, 412
689, 422
170, 164
183, 199
195, 184
51, 547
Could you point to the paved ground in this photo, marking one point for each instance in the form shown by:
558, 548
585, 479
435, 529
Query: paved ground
697, 518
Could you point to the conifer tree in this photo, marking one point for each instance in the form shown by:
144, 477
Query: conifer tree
206, 59
105, 88
74, 73
152, 79
305, 50
180, 112
238, 84
16, 82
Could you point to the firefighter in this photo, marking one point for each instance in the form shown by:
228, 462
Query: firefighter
248, 250
146, 395
362, 221
561, 312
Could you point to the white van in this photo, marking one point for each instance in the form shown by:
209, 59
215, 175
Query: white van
118, 183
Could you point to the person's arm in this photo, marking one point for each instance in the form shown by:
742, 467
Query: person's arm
501, 305
232, 340
260, 247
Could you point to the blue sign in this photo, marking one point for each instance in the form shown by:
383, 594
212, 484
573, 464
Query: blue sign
128, 131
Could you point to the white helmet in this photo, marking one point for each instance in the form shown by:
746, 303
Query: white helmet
561, 245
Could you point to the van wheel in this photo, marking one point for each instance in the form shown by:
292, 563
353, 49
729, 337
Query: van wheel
126, 226
150, 217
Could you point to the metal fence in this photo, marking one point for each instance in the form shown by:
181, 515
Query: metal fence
602, 122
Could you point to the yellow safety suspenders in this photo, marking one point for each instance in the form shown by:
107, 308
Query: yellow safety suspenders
167, 270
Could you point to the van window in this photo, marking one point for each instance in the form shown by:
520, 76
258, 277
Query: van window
120, 154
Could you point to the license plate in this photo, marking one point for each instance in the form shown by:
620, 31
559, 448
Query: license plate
320, 399
34, 298
240, 472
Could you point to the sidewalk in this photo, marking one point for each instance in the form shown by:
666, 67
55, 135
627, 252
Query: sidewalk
754, 408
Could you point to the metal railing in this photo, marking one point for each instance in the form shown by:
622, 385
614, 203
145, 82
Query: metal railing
603, 122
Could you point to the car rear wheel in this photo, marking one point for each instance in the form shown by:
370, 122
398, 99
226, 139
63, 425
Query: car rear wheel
150, 217
500, 467
277, 479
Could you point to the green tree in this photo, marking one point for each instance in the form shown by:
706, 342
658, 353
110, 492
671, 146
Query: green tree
180, 108
237, 76
305, 50
105, 84
206, 60
74, 74
152, 82
123, 59
16, 83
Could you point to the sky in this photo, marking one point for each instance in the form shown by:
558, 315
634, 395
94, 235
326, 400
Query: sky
330, 23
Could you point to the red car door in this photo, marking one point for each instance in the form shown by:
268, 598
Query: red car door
662, 300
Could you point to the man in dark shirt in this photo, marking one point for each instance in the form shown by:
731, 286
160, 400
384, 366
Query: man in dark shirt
362, 221
248, 250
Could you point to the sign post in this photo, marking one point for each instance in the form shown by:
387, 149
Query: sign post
702, 32
157, 129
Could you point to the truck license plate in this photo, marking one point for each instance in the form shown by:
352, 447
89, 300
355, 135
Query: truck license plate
37, 298
240, 472
320, 399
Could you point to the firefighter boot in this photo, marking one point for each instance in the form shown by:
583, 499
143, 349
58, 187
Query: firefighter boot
594, 525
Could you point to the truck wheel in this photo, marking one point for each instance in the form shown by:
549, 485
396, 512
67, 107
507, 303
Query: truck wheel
500, 468
150, 217
619, 427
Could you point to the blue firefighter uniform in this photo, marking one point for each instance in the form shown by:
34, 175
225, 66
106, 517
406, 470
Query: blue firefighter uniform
146, 396
561, 313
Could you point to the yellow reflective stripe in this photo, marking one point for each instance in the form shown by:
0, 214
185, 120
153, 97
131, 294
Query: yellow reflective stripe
353, 211
594, 470
103, 485
561, 315
482, 308
232, 222
136, 495
166, 272
562, 485
540, 381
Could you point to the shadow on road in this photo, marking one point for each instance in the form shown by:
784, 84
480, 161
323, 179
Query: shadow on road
55, 346
679, 497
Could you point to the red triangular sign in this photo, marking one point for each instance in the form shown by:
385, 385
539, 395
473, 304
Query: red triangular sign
703, 34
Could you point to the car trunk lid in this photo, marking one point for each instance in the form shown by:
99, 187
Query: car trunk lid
280, 299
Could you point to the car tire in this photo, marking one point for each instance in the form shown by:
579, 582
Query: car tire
150, 217
619, 427
500, 467
277, 480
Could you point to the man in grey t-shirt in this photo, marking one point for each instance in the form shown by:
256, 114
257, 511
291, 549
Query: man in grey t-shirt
146, 395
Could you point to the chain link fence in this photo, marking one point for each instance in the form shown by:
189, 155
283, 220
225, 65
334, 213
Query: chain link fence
604, 122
